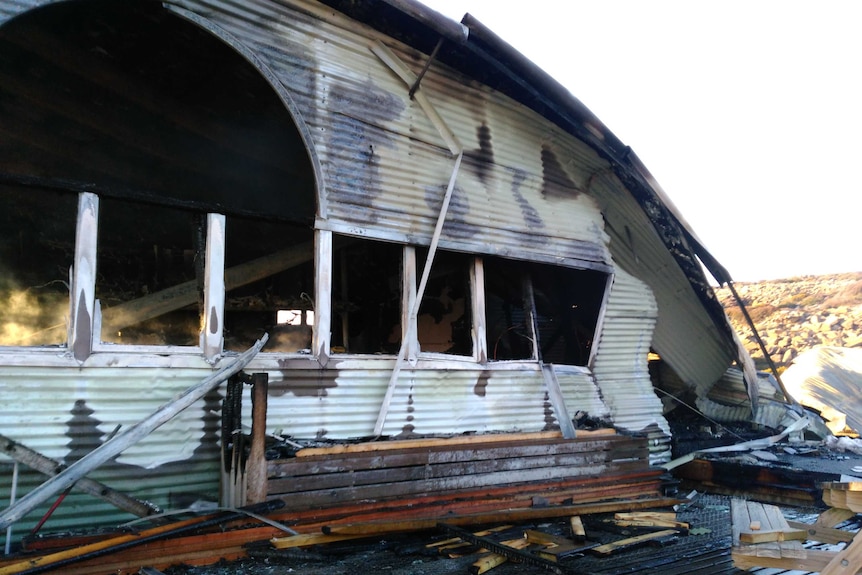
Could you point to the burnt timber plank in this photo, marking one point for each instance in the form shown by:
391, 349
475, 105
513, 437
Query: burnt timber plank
574, 491
445, 454
388, 490
363, 476
505, 515
447, 441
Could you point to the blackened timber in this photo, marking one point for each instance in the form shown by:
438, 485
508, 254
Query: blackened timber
444, 453
463, 498
358, 475
50, 467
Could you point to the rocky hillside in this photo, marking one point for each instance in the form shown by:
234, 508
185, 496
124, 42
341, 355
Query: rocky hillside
793, 315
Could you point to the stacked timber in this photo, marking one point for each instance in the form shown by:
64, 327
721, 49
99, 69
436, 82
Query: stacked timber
400, 480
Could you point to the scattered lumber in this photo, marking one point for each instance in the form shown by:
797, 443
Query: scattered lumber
122, 542
633, 541
509, 552
491, 560
577, 527
508, 515
650, 519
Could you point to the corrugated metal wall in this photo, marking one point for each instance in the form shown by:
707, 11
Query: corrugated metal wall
434, 398
65, 412
519, 191
526, 190
621, 360
685, 335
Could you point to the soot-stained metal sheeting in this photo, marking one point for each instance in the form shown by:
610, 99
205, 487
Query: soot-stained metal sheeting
66, 413
459, 399
620, 366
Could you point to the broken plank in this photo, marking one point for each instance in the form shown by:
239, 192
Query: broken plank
482, 533
556, 546
50, 467
632, 541
505, 515
491, 560
513, 554
652, 523
577, 527
646, 515
309, 539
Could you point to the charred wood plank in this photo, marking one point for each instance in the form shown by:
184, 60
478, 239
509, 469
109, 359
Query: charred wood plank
389, 490
447, 442
507, 515
355, 475
313, 465
50, 467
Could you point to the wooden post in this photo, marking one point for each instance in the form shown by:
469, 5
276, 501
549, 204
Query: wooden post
132, 435
256, 480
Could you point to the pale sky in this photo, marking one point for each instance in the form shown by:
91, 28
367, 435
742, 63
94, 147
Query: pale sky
747, 112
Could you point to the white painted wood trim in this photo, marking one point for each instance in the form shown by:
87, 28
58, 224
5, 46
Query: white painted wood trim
83, 287
409, 329
212, 334
477, 294
321, 339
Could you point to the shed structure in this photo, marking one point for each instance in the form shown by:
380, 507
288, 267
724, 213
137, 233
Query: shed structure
438, 238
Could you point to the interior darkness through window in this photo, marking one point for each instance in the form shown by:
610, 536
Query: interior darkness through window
269, 285
366, 296
567, 306
445, 320
568, 302
144, 249
507, 316
37, 246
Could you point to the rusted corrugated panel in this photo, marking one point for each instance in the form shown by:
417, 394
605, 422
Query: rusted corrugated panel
685, 335
66, 413
519, 192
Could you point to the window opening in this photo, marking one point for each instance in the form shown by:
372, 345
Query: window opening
445, 318
269, 285
150, 273
568, 303
507, 316
366, 295
37, 246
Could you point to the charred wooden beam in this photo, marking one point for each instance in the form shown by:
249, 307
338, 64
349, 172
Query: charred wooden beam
51, 467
